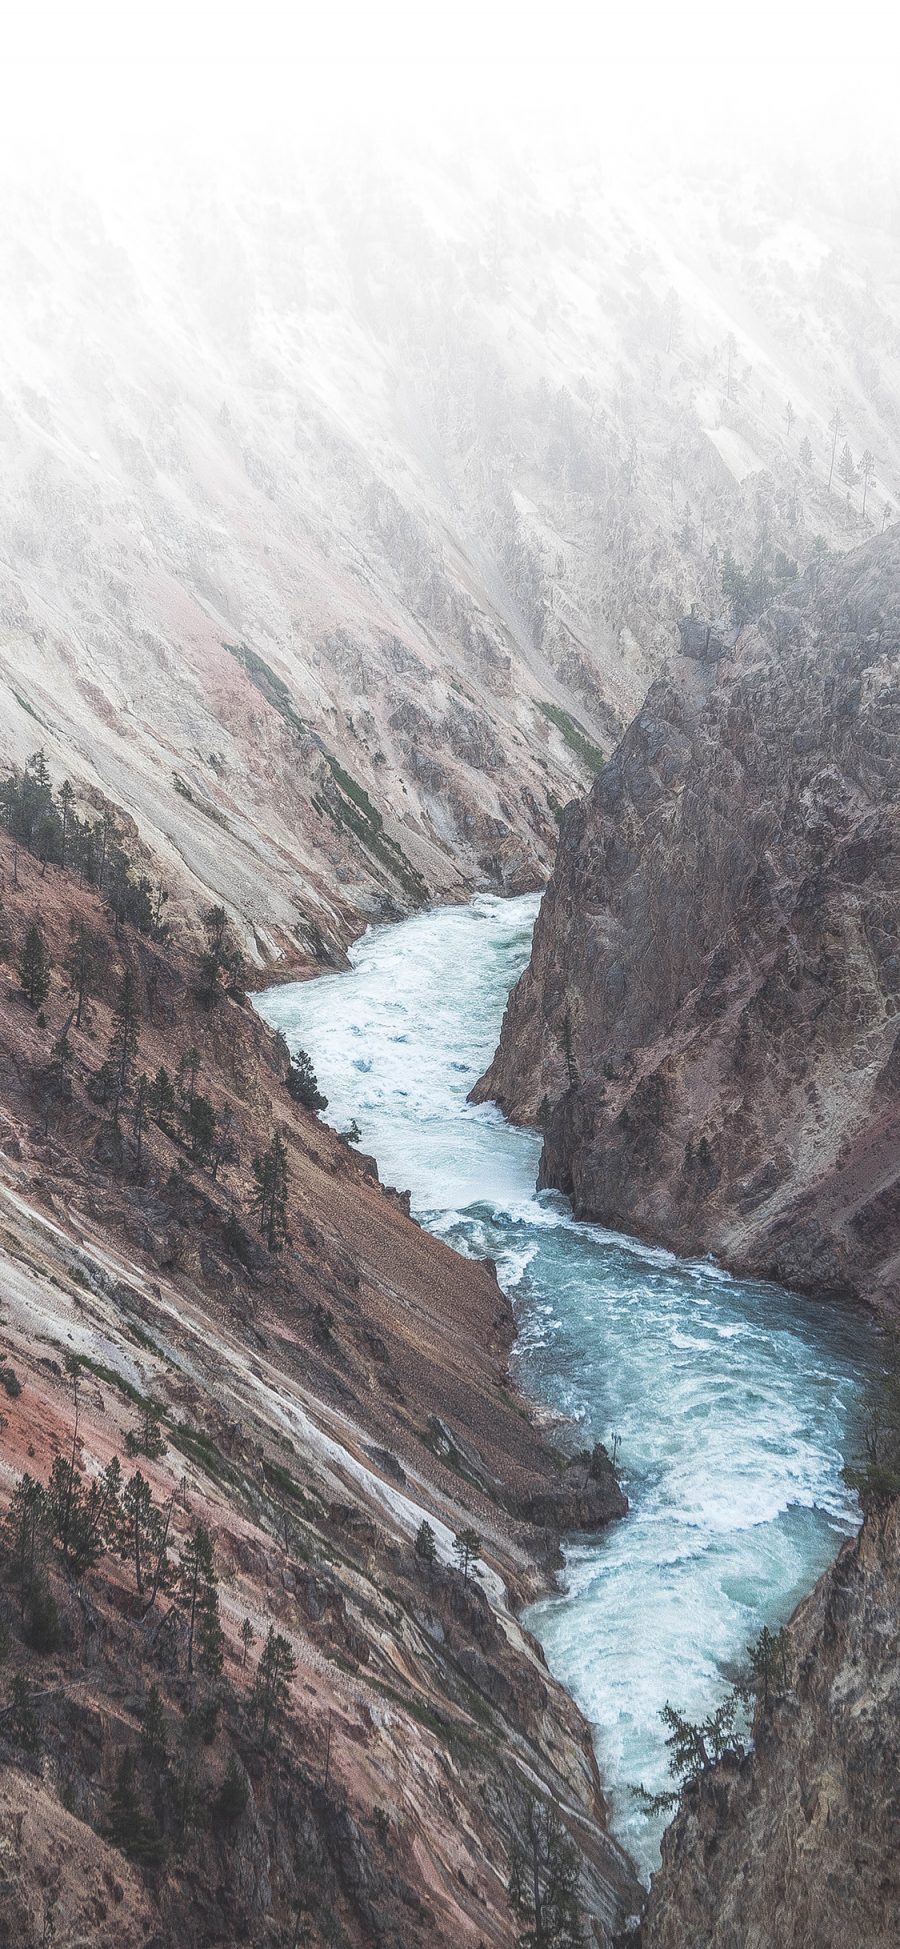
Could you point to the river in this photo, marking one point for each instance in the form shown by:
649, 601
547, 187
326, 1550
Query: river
734, 1403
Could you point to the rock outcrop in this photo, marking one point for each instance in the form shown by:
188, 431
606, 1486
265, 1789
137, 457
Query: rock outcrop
708, 1027
794, 1846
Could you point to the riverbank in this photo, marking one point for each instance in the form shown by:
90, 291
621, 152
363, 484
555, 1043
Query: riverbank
734, 1402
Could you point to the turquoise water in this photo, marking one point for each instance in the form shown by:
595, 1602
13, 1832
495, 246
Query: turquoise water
734, 1402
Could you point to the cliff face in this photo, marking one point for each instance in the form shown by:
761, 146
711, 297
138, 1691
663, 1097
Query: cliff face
796, 1844
709, 1023
315, 1406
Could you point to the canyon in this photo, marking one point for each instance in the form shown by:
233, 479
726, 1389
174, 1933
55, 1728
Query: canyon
340, 549
347, 510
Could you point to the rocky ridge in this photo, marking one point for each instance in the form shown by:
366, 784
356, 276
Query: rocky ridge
708, 1027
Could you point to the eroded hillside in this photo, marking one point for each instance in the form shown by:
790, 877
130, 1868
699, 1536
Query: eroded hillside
310, 1406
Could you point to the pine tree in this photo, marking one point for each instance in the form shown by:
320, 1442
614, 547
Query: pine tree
806, 452
162, 1101
426, 1542
789, 417
26, 1535
269, 1201
846, 468
770, 1664
123, 1042
866, 474
56, 1078
197, 1593
154, 1734
147, 1438
141, 1527
130, 1828
221, 961
224, 1149
467, 1550
83, 1514
66, 800
302, 1082
248, 1637
543, 1882
21, 1723
233, 1793
201, 1127
34, 967
274, 1675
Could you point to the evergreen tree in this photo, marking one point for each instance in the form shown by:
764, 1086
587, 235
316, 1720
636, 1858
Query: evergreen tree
269, 1201
81, 967
162, 1102
806, 452
426, 1542
147, 1438
224, 1149
769, 1664
467, 1550
21, 1723
154, 1734
34, 967
83, 1514
197, 1593
221, 963
302, 1083
139, 1117
866, 474
846, 468
543, 1883
248, 1637
233, 1793
201, 1127
274, 1675
66, 802
789, 417
56, 1078
141, 1528
130, 1828
123, 1041
26, 1535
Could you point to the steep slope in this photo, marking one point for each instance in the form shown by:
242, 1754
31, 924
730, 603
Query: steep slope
316, 1404
345, 506
796, 1843
708, 1026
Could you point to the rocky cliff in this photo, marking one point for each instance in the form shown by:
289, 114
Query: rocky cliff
708, 1027
795, 1845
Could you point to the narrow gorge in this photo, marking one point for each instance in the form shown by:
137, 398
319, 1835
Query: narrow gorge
449, 996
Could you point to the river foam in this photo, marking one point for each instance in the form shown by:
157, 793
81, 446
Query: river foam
734, 1403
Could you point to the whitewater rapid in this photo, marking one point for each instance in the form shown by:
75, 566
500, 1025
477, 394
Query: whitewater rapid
734, 1403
